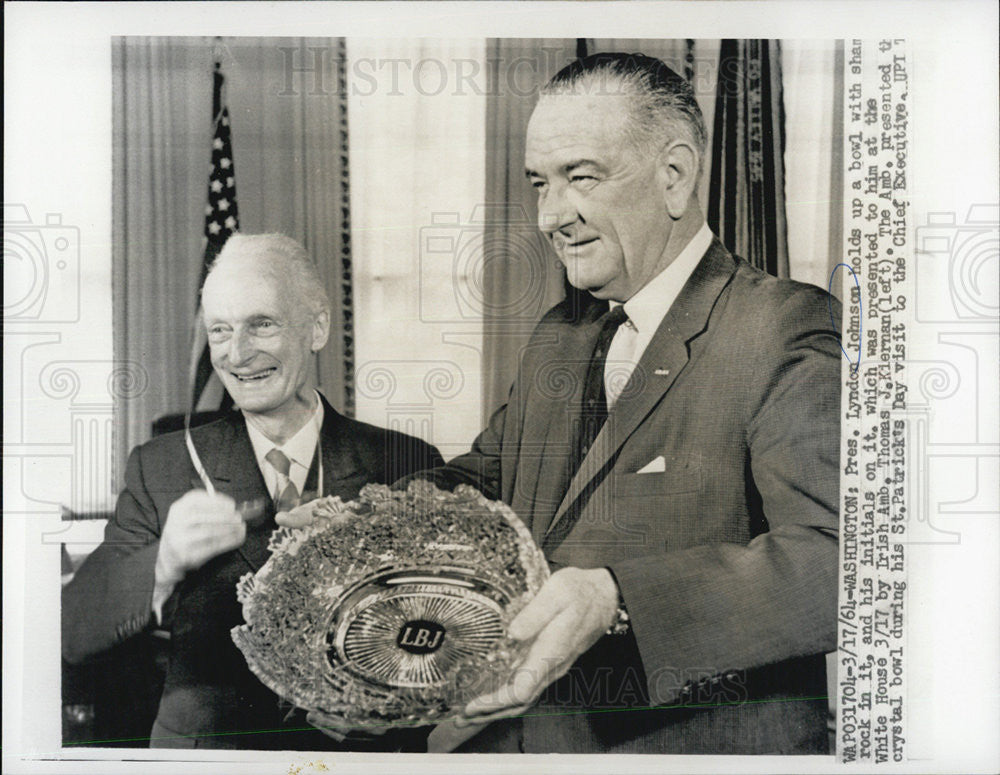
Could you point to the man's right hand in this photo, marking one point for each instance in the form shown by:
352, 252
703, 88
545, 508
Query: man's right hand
199, 527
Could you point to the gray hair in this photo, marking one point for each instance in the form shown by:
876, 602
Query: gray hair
287, 258
663, 105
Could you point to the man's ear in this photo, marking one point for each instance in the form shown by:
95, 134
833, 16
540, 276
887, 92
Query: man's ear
320, 331
677, 171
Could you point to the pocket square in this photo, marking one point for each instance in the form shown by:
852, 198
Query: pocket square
655, 466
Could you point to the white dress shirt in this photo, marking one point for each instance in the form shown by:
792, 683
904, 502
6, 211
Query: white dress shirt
300, 450
646, 310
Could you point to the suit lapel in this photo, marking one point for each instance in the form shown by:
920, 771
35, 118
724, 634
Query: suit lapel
229, 460
662, 362
224, 449
552, 410
237, 462
340, 459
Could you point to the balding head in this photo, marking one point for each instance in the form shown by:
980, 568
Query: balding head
279, 256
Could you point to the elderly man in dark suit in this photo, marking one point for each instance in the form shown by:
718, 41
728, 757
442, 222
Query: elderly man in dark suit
181, 538
676, 456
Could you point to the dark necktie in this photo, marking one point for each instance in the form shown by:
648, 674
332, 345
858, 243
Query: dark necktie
594, 403
288, 494
593, 415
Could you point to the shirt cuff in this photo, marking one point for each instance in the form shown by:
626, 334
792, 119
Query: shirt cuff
161, 593
162, 589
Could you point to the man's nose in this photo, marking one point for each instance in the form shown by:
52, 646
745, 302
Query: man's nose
555, 211
240, 348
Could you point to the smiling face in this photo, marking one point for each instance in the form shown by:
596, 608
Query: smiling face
600, 199
261, 337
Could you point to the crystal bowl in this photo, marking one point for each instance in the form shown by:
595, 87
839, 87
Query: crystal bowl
391, 609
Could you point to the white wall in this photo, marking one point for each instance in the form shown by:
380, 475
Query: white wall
417, 140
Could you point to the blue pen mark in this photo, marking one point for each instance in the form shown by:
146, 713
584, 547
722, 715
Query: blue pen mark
833, 274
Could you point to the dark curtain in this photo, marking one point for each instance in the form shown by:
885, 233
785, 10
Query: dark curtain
746, 205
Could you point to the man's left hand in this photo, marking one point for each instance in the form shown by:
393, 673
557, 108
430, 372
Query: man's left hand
570, 613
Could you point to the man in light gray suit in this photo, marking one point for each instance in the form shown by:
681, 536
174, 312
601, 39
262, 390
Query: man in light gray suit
684, 484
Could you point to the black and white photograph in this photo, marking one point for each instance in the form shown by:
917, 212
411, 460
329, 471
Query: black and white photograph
433, 395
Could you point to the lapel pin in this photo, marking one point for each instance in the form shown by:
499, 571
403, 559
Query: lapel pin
661, 372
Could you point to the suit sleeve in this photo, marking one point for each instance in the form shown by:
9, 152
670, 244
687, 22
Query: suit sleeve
724, 606
407, 455
110, 598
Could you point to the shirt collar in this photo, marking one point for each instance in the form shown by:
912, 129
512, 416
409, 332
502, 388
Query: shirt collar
650, 304
299, 449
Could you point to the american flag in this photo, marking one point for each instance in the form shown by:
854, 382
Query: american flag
221, 220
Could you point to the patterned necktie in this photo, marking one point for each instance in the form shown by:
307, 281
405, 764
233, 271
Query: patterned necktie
593, 415
594, 407
288, 494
